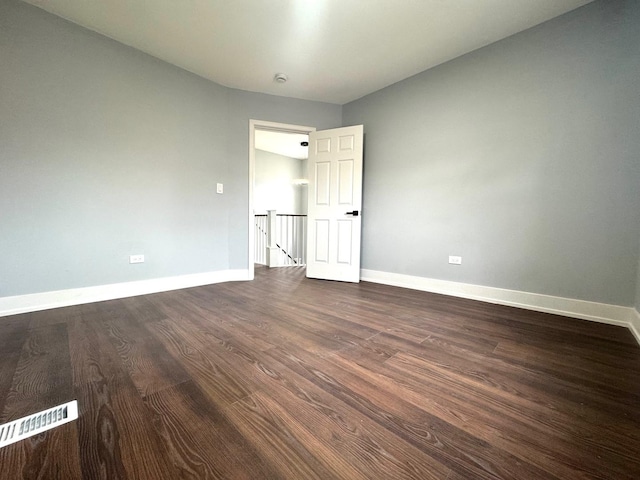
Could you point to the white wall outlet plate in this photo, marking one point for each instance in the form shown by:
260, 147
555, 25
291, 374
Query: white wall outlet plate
219, 188
455, 260
136, 258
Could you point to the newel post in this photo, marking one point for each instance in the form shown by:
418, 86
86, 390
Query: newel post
272, 248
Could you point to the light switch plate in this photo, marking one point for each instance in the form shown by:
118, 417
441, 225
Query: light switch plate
219, 188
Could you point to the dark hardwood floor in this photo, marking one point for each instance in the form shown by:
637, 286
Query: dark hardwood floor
291, 378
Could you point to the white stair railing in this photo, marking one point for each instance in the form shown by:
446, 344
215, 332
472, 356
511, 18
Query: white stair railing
280, 240
291, 237
260, 247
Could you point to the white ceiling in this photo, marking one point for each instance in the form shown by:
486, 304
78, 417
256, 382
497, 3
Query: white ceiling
282, 143
332, 50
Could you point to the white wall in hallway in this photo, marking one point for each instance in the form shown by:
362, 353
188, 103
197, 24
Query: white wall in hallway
274, 184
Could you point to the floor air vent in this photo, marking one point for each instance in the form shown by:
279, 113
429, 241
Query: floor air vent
40, 422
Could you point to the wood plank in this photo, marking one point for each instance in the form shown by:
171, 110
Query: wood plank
14, 334
360, 440
581, 365
117, 433
222, 381
536, 433
143, 309
149, 365
279, 438
42, 377
303, 427
284, 327
226, 323
93, 357
437, 438
47, 318
366, 351
53, 454
190, 425
486, 366
113, 423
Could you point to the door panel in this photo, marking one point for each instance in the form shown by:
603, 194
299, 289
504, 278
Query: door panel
345, 182
322, 241
323, 183
335, 193
344, 242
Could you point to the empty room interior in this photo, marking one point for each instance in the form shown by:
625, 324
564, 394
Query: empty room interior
447, 287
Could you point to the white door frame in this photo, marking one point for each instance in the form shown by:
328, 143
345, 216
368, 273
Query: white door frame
275, 127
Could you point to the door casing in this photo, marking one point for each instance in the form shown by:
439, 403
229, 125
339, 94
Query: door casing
275, 127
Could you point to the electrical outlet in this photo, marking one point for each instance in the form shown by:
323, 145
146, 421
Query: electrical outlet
219, 188
136, 258
454, 260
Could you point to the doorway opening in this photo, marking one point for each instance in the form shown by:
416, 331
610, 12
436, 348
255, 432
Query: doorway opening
269, 185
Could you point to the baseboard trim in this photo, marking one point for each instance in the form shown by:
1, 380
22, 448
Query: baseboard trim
568, 307
76, 296
635, 325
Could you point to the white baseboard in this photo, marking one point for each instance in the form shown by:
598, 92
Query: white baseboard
76, 296
568, 307
635, 325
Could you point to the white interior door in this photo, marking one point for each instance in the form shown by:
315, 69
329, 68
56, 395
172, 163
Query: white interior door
335, 204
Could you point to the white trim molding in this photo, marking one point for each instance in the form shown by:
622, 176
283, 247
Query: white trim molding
568, 307
76, 296
274, 127
635, 325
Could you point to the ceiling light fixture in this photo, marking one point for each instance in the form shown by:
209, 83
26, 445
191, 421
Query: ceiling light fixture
281, 77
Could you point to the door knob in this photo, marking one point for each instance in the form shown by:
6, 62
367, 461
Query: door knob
354, 213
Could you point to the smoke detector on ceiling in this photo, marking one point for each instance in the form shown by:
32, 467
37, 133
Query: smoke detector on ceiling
280, 77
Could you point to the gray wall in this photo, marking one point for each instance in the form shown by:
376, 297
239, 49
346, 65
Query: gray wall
522, 157
107, 152
273, 186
